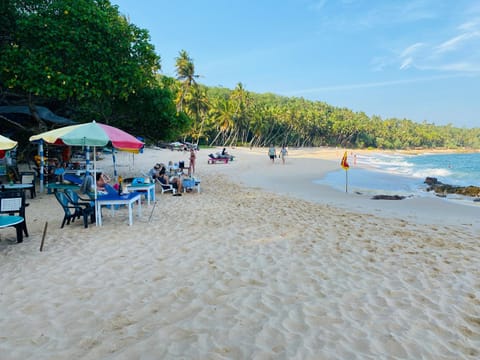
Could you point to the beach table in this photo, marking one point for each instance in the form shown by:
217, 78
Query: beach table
17, 221
145, 187
191, 184
81, 172
17, 186
52, 187
113, 200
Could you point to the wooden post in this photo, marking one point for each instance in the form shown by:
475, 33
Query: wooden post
154, 204
44, 234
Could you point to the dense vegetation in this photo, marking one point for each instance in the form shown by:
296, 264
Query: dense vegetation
85, 61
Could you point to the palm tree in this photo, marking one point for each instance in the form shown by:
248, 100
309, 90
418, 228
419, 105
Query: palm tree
197, 106
186, 74
222, 116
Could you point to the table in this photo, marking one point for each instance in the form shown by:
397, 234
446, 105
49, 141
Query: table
148, 187
17, 221
17, 186
80, 172
128, 199
22, 187
191, 183
55, 187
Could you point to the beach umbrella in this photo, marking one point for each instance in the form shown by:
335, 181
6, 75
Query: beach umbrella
91, 134
6, 143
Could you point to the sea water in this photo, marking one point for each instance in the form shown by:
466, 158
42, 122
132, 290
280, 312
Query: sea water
404, 174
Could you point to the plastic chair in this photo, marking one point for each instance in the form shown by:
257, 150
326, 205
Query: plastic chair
83, 207
29, 178
70, 210
13, 202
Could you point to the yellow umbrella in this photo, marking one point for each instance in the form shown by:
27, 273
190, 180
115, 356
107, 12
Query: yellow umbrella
6, 143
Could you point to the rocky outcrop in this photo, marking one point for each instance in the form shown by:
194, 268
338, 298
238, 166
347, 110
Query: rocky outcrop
443, 189
388, 197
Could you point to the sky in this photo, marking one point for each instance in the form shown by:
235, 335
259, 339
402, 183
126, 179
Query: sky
405, 59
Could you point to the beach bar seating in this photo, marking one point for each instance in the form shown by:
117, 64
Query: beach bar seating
83, 207
69, 210
28, 177
15, 221
113, 200
13, 203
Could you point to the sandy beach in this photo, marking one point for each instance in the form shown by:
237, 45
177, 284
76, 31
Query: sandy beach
261, 264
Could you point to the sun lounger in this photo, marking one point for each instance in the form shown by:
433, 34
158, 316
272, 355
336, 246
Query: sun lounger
212, 159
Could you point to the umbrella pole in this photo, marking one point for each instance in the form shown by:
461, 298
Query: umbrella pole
42, 164
114, 164
97, 210
87, 159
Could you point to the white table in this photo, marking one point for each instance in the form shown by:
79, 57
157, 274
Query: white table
128, 200
148, 187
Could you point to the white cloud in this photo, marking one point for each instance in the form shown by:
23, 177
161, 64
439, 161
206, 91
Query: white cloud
318, 5
455, 42
459, 51
406, 63
372, 84
471, 25
412, 49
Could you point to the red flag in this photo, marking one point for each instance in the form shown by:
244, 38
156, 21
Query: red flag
344, 162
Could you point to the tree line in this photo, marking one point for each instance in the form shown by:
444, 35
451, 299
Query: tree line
84, 60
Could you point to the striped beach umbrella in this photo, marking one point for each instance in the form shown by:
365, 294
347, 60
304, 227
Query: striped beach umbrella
91, 134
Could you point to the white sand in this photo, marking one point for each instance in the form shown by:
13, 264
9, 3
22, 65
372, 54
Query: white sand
237, 272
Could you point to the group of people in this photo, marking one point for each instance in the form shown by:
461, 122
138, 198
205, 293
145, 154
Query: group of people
272, 153
170, 174
173, 173
167, 175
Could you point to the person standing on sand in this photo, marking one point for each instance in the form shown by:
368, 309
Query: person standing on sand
191, 169
272, 153
283, 153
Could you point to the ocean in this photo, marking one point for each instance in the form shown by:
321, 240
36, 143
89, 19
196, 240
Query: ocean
403, 174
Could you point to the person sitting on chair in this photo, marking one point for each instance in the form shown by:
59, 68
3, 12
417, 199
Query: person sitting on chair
155, 171
176, 181
87, 184
102, 179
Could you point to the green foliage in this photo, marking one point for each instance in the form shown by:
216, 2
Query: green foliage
268, 118
76, 50
155, 114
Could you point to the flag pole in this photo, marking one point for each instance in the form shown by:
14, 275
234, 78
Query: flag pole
345, 166
346, 181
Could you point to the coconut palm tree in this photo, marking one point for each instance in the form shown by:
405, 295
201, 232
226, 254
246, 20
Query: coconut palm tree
186, 75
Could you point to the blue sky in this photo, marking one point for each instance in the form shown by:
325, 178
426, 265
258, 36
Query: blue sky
413, 59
